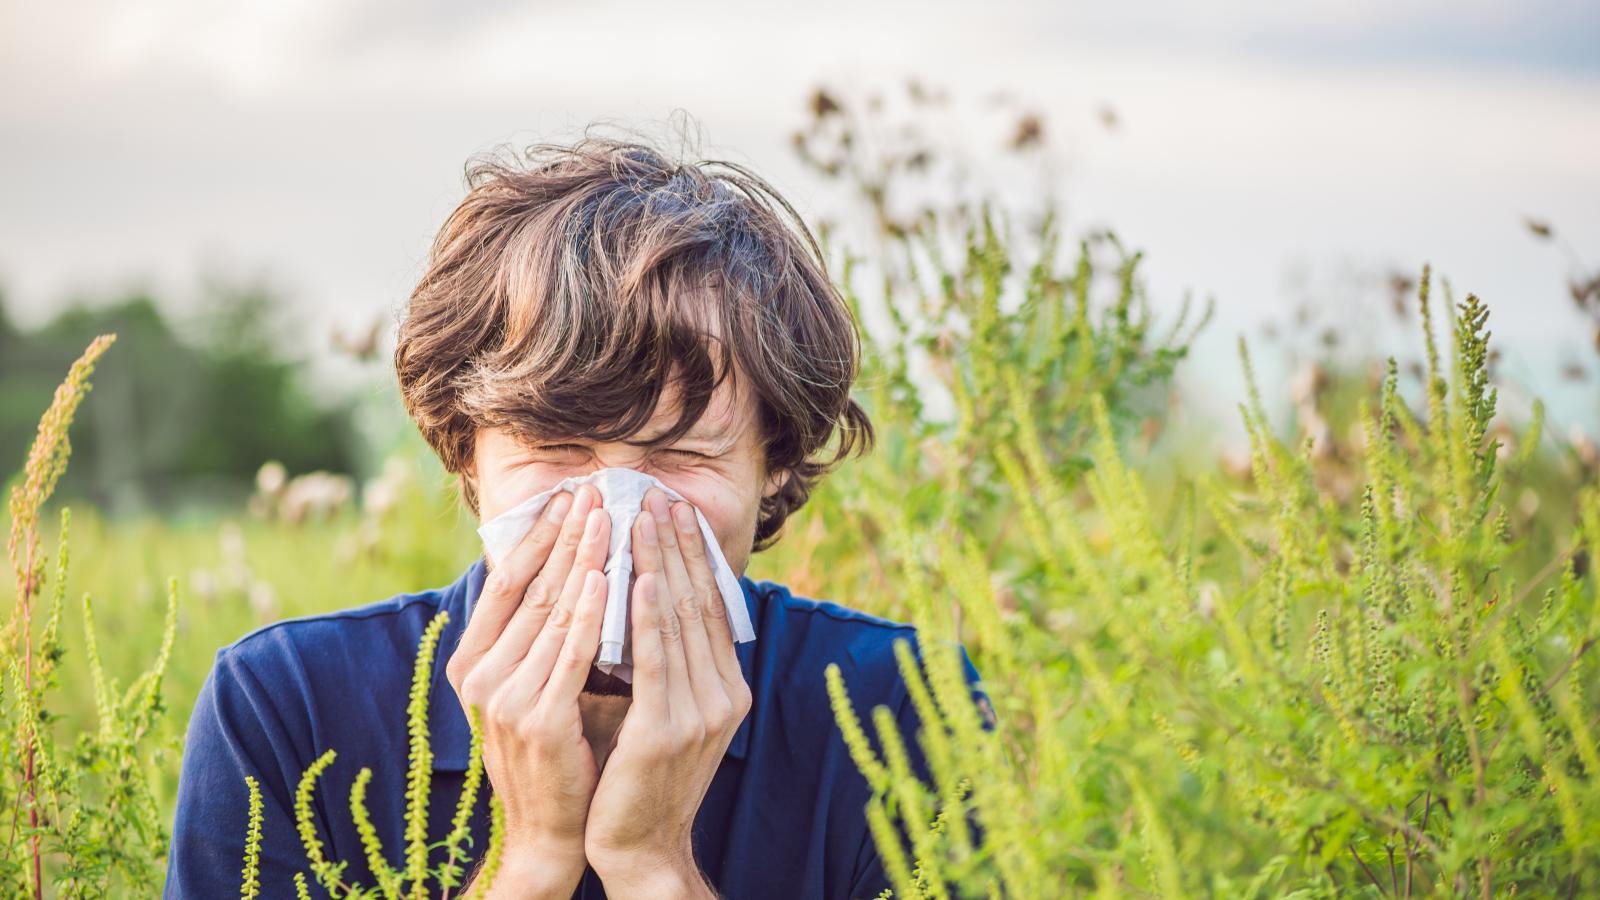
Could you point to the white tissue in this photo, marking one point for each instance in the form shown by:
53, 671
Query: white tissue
622, 493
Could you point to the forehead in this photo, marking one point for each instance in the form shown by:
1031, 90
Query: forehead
728, 412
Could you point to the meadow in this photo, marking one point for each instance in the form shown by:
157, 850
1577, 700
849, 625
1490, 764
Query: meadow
1357, 663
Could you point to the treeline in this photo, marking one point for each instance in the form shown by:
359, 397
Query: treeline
188, 408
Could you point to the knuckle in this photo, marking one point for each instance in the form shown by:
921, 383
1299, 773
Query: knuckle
496, 582
720, 715
571, 659
455, 669
716, 609
533, 726
495, 710
540, 727
560, 616
687, 605
502, 582
471, 688
691, 732
539, 595
515, 575
671, 630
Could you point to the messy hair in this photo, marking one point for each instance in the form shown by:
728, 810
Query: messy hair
570, 286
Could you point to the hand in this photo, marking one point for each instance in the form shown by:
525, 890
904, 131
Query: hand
689, 696
522, 660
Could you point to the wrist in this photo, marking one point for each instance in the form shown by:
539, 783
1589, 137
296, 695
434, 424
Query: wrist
672, 877
529, 869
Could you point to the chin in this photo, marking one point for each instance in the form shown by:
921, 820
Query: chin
603, 685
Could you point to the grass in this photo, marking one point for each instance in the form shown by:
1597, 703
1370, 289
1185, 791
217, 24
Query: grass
1353, 667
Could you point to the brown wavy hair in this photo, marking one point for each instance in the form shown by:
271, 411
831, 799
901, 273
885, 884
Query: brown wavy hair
570, 285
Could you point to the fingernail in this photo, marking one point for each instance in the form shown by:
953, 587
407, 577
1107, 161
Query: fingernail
559, 504
649, 530
592, 529
684, 517
658, 506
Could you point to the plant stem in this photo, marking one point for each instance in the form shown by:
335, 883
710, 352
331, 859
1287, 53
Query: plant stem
1365, 868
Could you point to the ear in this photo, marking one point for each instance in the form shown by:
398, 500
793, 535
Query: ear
774, 483
468, 476
469, 492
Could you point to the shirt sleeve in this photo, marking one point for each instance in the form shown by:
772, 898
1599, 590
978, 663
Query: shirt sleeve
870, 878
234, 731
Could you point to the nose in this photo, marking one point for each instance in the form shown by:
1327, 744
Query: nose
598, 500
637, 461
632, 465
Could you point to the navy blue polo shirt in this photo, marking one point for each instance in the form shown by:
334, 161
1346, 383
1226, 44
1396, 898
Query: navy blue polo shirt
783, 816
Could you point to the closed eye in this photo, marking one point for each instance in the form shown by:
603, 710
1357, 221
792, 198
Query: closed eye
552, 447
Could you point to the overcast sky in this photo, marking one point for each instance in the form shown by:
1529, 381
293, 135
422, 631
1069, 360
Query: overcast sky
1264, 151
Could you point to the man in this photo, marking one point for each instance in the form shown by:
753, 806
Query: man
594, 306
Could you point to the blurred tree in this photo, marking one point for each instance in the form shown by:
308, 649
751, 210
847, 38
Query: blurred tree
175, 419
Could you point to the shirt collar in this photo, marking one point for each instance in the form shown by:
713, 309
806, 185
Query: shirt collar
451, 740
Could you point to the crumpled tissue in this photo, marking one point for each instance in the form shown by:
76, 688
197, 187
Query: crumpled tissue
622, 495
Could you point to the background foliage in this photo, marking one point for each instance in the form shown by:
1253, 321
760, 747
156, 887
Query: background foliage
1351, 662
187, 411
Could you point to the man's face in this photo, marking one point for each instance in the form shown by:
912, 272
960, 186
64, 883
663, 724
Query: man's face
719, 465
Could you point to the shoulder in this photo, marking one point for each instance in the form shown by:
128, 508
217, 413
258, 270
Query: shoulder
804, 636
362, 642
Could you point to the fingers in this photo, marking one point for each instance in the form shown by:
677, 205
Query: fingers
669, 629
692, 544
539, 597
582, 643
688, 589
686, 604
656, 507
590, 556
503, 591
553, 577
692, 707
649, 657
696, 560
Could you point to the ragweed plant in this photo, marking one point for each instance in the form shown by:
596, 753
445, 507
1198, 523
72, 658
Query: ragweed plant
84, 817
1268, 689
409, 880
981, 346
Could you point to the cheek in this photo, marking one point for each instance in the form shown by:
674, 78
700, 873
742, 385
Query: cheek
724, 503
501, 489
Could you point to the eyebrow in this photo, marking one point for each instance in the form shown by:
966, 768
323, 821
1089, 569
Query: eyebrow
707, 427
704, 429
701, 430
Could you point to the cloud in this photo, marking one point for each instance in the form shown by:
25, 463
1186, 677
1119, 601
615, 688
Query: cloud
255, 48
